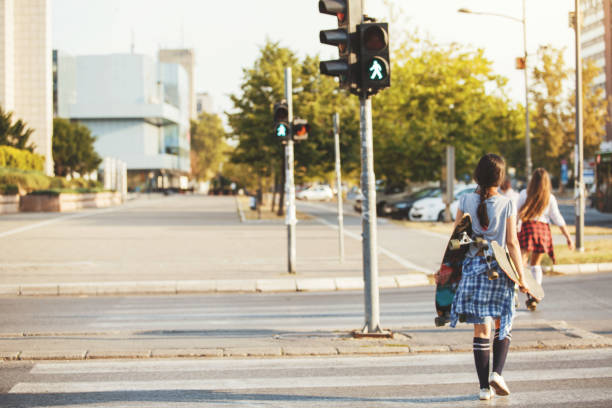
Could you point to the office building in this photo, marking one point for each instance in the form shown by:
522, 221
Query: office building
596, 44
25, 69
186, 59
204, 103
138, 109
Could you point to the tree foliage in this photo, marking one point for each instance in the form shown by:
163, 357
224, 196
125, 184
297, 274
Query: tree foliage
553, 119
208, 145
15, 134
441, 96
73, 148
315, 98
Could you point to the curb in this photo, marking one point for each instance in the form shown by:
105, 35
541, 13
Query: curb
575, 269
209, 286
292, 351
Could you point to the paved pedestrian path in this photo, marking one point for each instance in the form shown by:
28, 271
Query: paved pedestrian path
179, 244
542, 379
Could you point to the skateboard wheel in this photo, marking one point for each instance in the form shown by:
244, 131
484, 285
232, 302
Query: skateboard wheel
493, 274
440, 321
454, 244
531, 304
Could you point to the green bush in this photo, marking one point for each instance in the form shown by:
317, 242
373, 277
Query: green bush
27, 180
20, 159
9, 189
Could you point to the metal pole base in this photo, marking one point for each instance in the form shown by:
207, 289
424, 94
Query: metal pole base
363, 333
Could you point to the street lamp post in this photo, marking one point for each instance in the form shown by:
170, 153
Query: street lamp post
523, 21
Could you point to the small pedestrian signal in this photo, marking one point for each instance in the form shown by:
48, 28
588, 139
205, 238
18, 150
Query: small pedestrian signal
377, 70
281, 130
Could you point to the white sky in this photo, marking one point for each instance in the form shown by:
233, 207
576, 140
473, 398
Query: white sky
227, 34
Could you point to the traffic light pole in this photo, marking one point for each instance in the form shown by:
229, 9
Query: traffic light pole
339, 187
291, 218
368, 217
579, 161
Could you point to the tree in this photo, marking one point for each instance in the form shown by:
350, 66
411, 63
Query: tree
553, 119
316, 98
14, 134
73, 148
208, 146
441, 96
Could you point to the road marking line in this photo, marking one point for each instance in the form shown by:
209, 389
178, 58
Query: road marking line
303, 382
405, 263
419, 360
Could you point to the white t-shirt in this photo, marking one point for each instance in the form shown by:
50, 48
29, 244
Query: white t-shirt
512, 195
550, 215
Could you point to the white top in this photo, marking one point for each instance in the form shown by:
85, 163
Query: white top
550, 215
512, 195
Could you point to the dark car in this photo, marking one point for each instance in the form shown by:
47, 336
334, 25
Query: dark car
399, 210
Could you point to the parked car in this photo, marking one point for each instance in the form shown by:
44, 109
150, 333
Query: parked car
399, 210
384, 195
320, 192
432, 208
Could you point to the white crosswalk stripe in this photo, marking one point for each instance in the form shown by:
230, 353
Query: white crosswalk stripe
581, 377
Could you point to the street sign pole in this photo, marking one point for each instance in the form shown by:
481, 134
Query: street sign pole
579, 189
290, 219
339, 187
368, 217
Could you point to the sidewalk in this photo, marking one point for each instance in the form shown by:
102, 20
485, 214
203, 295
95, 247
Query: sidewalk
187, 244
533, 335
175, 245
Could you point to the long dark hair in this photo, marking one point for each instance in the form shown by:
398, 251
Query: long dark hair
538, 195
490, 172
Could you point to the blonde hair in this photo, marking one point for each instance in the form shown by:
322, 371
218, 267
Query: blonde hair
538, 195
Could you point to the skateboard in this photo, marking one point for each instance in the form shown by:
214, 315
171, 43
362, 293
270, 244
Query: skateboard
534, 289
449, 274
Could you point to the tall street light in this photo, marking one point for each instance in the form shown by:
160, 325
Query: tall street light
528, 165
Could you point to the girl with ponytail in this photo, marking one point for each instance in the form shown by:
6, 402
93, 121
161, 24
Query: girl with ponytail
478, 299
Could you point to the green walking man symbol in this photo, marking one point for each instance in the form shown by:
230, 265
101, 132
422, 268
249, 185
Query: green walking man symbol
281, 130
376, 71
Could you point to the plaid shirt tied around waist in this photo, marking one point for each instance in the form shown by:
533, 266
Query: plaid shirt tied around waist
479, 297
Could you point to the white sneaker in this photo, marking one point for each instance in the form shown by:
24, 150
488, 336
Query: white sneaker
486, 394
497, 382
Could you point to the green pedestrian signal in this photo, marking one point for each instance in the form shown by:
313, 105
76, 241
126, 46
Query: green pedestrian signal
281, 130
377, 70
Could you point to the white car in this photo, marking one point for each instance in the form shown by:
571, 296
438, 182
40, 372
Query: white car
320, 192
432, 208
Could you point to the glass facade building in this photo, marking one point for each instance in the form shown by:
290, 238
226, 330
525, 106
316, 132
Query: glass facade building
138, 109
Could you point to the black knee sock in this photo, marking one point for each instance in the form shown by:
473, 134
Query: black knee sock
500, 351
482, 351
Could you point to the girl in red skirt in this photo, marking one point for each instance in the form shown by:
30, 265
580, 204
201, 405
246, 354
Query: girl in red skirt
537, 209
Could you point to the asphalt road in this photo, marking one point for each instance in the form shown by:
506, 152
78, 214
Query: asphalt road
536, 379
581, 301
592, 217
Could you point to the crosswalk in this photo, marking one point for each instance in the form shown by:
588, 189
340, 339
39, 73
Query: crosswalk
538, 378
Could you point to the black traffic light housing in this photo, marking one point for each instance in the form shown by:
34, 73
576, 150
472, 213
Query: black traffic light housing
281, 120
373, 56
348, 13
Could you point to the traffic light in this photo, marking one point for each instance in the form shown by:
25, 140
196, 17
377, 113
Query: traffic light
281, 119
300, 129
348, 13
373, 56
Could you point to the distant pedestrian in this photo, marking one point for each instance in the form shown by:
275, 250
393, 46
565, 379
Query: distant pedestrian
479, 300
537, 210
507, 191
